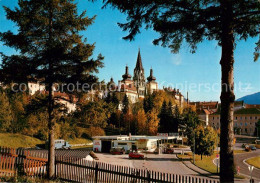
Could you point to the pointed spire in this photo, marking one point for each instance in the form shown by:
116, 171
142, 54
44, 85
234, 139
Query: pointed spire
151, 77
139, 64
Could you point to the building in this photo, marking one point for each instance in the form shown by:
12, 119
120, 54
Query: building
131, 142
135, 87
245, 120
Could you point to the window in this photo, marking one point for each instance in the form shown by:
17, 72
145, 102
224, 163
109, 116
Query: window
213, 118
236, 124
250, 117
236, 117
245, 124
241, 124
245, 117
241, 117
122, 144
256, 117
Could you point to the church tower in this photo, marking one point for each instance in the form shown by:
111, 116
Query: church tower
139, 78
152, 85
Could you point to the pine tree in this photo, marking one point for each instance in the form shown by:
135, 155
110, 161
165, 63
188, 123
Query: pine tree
225, 21
164, 120
125, 104
6, 114
50, 48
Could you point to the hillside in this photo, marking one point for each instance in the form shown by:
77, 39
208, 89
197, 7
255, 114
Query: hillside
18, 140
251, 99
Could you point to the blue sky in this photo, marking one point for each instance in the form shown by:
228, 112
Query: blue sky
189, 72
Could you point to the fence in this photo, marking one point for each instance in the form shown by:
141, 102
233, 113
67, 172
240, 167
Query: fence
77, 169
19, 161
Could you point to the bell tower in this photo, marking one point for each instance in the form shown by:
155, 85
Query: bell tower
139, 78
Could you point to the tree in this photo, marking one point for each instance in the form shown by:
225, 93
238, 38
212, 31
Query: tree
141, 122
225, 21
125, 104
190, 122
164, 120
50, 48
152, 122
205, 139
148, 103
6, 114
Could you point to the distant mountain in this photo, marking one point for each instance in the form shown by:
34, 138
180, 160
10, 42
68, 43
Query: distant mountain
251, 99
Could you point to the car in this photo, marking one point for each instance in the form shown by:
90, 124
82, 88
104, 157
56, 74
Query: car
135, 155
117, 150
168, 151
59, 144
253, 148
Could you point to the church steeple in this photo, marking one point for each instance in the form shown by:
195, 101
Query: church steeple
139, 78
151, 77
139, 64
126, 75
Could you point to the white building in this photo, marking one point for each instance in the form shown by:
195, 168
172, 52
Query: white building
132, 142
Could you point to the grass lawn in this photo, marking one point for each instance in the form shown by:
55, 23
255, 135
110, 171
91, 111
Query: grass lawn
79, 141
207, 161
18, 140
254, 161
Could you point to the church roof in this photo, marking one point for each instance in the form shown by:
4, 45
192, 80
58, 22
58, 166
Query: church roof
139, 64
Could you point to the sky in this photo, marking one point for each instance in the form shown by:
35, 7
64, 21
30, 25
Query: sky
199, 73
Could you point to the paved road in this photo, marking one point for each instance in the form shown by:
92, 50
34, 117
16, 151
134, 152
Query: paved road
167, 163
239, 158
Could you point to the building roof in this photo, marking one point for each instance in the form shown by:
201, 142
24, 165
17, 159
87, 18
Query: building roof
252, 106
248, 111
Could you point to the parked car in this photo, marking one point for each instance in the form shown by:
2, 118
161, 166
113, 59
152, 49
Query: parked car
253, 148
59, 144
117, 150
135, 155
168, 151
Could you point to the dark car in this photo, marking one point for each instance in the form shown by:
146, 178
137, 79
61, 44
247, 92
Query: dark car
135, 155
117, 150
253, 148
168, 151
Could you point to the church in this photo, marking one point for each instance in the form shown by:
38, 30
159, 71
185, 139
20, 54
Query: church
138, 86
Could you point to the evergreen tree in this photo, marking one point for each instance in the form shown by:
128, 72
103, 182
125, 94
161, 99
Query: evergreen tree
148, 103
164, 120
49, 48
125, 104
225, 21
6, 114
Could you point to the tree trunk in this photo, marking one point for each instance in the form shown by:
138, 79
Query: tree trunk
227, 95
51, 124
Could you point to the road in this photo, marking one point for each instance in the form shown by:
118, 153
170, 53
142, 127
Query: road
167, 163
239, 158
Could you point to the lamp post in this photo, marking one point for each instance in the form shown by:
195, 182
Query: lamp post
251, 168
194, 143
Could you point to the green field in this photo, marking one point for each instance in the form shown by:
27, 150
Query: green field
79, 141
18, 140
207, 161
254, 161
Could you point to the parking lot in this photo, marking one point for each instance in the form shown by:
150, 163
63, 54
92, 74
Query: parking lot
167, 163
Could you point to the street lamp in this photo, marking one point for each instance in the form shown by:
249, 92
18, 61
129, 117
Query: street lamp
251, 168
